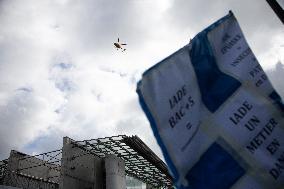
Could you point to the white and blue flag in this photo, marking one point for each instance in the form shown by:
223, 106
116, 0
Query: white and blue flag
214, 113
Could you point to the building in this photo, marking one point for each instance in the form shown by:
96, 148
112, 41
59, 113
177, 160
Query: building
116, 162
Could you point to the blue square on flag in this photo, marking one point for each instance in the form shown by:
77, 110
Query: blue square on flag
216, 169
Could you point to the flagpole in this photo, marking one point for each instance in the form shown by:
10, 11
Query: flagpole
277, 9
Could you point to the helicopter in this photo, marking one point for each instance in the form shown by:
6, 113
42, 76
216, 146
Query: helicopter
119, 45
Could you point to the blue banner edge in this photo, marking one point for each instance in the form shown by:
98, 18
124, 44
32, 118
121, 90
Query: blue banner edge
159, 140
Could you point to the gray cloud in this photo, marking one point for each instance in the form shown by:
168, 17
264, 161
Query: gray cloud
60, 75
23, 116
95, 25
253, 15
276, 77
257, 20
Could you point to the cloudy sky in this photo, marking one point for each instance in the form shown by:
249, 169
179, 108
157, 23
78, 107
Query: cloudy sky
61, 76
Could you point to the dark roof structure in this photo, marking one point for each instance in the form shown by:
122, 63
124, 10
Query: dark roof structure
140, 161
3, 168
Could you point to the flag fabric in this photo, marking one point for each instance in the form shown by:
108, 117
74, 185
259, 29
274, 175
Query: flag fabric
214, 113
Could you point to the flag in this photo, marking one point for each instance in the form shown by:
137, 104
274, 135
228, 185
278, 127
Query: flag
214, 113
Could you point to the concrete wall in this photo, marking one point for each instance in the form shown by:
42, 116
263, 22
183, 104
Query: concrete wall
32, 178
47, 171
8, 187
115, 172
80, 170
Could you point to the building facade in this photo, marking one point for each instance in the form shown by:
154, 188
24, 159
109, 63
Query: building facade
117, 162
